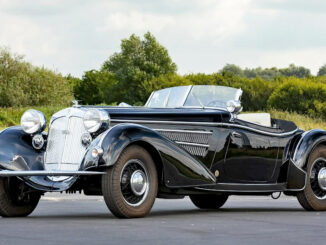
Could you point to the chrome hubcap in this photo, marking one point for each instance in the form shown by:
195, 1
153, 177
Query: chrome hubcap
138, 182
322, 178
134, 182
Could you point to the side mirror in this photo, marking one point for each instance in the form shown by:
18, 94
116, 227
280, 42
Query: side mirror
234, 106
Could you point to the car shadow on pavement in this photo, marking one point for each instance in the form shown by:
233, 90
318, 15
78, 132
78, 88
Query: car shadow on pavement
167, 213
224, 210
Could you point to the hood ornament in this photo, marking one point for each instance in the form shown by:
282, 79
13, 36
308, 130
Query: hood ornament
76, 103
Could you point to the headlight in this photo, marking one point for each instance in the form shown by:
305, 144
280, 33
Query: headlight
33, 121
94, 119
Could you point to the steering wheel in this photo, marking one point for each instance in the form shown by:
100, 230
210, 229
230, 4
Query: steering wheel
216, 103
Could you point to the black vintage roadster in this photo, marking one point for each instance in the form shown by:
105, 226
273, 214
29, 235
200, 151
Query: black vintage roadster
186, 141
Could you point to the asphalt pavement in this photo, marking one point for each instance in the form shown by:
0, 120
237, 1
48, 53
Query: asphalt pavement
76, 219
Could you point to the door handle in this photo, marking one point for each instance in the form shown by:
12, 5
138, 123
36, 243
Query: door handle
236, 135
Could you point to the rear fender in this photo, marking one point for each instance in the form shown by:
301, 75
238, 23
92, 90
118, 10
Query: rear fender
180, 169
305, 145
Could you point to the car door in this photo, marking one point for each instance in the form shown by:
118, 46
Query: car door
251, 156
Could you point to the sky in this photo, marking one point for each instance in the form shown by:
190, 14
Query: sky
73, 36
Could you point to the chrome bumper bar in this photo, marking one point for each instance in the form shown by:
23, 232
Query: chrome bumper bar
9, 173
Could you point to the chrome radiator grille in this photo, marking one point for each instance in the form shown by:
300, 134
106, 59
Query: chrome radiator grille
64, 148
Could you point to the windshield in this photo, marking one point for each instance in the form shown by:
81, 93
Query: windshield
193, 96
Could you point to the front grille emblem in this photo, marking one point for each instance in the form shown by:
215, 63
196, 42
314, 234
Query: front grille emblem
65, 132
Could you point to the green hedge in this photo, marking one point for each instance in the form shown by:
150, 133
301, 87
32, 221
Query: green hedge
301, 96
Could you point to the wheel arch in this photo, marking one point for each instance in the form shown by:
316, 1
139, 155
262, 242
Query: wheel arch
177, 167
306, 145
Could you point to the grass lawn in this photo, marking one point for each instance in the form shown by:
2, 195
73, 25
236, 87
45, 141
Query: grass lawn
11, 117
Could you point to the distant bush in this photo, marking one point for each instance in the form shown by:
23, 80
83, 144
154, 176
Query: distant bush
267, 73
22, 84
301, 96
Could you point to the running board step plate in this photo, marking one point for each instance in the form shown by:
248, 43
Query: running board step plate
9, 173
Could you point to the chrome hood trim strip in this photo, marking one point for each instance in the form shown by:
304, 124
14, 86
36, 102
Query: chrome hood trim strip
204, 124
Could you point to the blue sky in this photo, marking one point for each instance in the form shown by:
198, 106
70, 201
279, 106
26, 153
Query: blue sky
201, 35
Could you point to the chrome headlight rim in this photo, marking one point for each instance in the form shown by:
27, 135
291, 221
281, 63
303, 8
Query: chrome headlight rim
95, 119
33, 121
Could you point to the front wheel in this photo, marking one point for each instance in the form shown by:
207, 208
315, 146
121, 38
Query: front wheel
209, 201
16, 199
313, 197
130, 186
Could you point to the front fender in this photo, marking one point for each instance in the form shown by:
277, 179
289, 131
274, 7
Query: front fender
15, 142
308, 141
180, 169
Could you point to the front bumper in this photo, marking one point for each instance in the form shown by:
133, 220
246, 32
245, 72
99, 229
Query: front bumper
10, 173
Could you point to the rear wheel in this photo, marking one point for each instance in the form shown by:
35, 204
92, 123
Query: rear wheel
209, 201
130, 186
16, 199
313, 197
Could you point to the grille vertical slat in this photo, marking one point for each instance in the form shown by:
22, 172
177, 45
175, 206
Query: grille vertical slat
64, 149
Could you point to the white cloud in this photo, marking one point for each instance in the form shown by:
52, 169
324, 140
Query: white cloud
201, 35
209, 19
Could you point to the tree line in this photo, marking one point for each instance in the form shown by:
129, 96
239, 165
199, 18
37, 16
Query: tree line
143, 65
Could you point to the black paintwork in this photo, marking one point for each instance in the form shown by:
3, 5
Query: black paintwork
15, 142
250, 158
180, 168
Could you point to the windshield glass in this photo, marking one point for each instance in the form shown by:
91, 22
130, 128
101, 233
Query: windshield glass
194, 96
169, 97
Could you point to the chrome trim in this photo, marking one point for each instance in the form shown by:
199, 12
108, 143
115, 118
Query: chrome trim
187, 94
76, 103
42, 122
238, 94
204, 124
68, 114
322, 178
8, 173
138, 182
149, 99
297, 147
167, 108
104, 120
191, 144
182, 131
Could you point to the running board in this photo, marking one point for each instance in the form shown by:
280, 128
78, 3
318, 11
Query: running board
237, 187
9, 173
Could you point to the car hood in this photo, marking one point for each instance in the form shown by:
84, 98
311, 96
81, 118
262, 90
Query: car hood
165, 114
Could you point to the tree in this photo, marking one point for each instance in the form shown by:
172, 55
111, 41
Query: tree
322, 71
22, 84
95, 87
232, 69
138, 62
